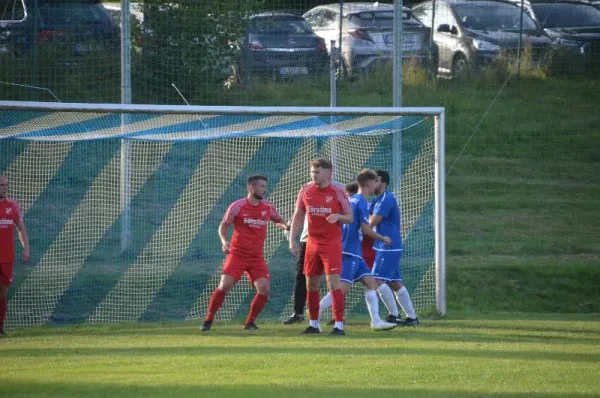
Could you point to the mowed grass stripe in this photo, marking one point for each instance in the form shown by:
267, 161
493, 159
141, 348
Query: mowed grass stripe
510, 356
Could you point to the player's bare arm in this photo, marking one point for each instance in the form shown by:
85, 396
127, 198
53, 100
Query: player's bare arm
223, 231
22, 231
345, 218
374, 220
282, 226
368, 231
297, 222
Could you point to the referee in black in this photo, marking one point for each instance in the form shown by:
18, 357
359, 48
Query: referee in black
300, 285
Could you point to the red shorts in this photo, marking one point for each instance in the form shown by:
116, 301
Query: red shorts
321, 258
369, 257
255, 267
6, 273
368, 252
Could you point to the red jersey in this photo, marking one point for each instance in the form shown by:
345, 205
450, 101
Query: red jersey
319, 203
250, 225
10, 214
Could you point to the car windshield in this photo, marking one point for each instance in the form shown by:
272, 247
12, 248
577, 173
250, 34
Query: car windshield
280, 26
492, 16
68, 14
566, 15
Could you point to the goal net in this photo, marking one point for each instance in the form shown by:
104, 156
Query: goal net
122, 203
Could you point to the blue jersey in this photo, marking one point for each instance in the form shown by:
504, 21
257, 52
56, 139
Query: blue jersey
352, 233
387, 207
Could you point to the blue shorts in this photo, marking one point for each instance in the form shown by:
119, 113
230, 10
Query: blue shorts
353, 269
387, 266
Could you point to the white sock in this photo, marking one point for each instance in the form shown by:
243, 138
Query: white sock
373, 305
339, 325
325, 303
404, 300
387, 296
314, 324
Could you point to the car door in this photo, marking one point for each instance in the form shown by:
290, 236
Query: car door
446, 34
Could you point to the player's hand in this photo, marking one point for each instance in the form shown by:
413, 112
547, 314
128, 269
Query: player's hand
225, 247
294, 247
25, 256
333, 218
387, 240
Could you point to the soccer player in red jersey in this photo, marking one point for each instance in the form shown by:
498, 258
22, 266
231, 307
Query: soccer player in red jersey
10, 216
326, 206
249, 217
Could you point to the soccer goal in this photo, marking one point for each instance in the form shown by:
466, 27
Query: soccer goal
122, 202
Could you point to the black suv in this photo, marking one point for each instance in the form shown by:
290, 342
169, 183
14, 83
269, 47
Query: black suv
471, 34
78, 26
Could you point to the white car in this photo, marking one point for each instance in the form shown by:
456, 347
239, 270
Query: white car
367, 35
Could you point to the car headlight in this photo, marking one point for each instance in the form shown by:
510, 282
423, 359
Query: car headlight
483, 45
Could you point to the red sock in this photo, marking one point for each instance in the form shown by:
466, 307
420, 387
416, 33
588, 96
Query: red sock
338, 305
216, 300
256, 307
312, 301
3, 305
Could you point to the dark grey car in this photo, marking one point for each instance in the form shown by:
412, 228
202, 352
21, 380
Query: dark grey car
471, 34
281, 44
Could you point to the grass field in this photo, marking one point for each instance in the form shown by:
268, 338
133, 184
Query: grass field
523, 211
501, 355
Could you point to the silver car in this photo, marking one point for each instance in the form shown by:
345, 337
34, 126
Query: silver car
367, 35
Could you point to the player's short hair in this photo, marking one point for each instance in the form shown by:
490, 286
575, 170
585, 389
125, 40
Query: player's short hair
255, 178
321, 162
352, 188
364, 176
384, 175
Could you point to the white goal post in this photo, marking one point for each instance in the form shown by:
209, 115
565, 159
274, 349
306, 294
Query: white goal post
139, 199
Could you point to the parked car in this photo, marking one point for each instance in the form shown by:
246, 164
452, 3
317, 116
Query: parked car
471, 34
596, 3
572, 24
367, 34
281, 44
81, 26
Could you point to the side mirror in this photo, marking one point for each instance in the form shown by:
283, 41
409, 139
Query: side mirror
444, 28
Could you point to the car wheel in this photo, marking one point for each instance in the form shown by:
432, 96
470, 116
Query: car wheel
460, 67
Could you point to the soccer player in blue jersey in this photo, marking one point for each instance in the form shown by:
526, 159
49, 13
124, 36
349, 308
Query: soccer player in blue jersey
385, 218
354, 268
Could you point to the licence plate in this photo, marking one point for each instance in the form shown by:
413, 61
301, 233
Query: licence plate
409, 41
293, 70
